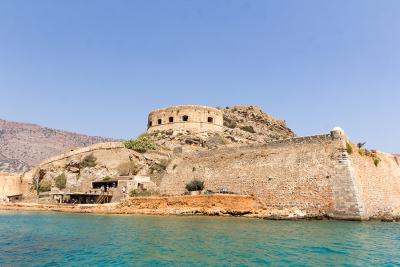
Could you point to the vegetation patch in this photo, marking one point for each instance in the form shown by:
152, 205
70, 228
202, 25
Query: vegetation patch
162, 165
44, 186
141, 144
229, 123
248, 129
349, 148
61, 181
106, 178
88, 161
361, 152
217, 140
174, 167
376, 162
126, 168
195, 185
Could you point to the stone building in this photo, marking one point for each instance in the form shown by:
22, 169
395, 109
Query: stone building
188, 117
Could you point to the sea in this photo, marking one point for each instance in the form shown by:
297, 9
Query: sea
75, 239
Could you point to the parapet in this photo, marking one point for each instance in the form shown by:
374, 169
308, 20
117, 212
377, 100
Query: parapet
188, 117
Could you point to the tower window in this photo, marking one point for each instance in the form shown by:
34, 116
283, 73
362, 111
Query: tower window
159, 121
185, 118
210, 119
171, 119
150, 123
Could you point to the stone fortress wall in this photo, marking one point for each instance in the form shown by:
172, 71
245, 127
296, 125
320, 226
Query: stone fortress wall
10, 184
312, 173
188, 117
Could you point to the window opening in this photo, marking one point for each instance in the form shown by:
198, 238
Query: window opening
185, 118
159, 121
210, 119
150, 123
171, 119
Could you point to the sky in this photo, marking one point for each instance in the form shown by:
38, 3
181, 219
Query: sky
100, 67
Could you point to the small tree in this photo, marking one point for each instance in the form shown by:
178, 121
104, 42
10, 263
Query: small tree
249, 129
195, 185
61, 181
360, 145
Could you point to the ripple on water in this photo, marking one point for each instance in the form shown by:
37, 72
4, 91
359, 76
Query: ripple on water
54, 239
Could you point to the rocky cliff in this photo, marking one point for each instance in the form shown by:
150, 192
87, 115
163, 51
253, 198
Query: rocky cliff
24, 145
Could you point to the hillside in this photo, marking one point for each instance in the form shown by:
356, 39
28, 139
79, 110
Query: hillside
25, 145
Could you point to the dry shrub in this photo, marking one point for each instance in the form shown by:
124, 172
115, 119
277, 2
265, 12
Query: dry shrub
127, 168
217, 140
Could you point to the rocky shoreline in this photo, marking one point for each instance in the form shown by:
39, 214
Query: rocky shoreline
217, 205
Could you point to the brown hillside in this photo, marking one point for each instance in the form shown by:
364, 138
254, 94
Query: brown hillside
23, 145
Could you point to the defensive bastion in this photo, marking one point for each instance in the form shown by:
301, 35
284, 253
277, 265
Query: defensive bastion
188, 117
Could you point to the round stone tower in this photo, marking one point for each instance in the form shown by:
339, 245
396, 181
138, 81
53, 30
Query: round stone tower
191, 118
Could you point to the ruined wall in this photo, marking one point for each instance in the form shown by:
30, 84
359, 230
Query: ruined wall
10, 184
198, 119
380, 185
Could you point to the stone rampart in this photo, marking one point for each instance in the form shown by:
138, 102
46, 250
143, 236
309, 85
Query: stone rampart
284, 173
312, 173
189, 117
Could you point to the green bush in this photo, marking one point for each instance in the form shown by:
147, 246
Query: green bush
349, 148
265, 120
143, 193
195, 185
376, 162
194, 168
141, 144
229, 123
127, 168
361, 152
44, 186
88, 161
61, 181
217, 140
248, 129
159, 138
106, 178
78, 176
174, 167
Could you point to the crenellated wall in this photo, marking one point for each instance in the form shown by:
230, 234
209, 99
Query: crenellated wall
188, 117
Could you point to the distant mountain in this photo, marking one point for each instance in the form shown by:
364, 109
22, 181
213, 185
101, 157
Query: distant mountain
25, 145
396, 155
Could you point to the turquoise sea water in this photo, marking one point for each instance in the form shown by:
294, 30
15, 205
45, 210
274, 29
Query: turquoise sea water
64, 239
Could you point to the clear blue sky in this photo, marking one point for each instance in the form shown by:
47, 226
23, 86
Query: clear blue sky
99, 67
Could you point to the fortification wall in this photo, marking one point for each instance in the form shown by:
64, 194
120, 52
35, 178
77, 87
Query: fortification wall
189, 117
380, 185
10, 184
287, 173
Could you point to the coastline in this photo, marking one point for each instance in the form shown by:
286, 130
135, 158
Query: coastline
212, 205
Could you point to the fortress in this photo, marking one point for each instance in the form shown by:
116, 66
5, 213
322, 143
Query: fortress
318, 174
191, 118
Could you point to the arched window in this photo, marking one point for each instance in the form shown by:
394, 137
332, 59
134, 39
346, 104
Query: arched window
185, 118
171, 119
159, 121
210, 119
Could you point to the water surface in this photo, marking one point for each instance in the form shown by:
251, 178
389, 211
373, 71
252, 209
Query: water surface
65, 239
